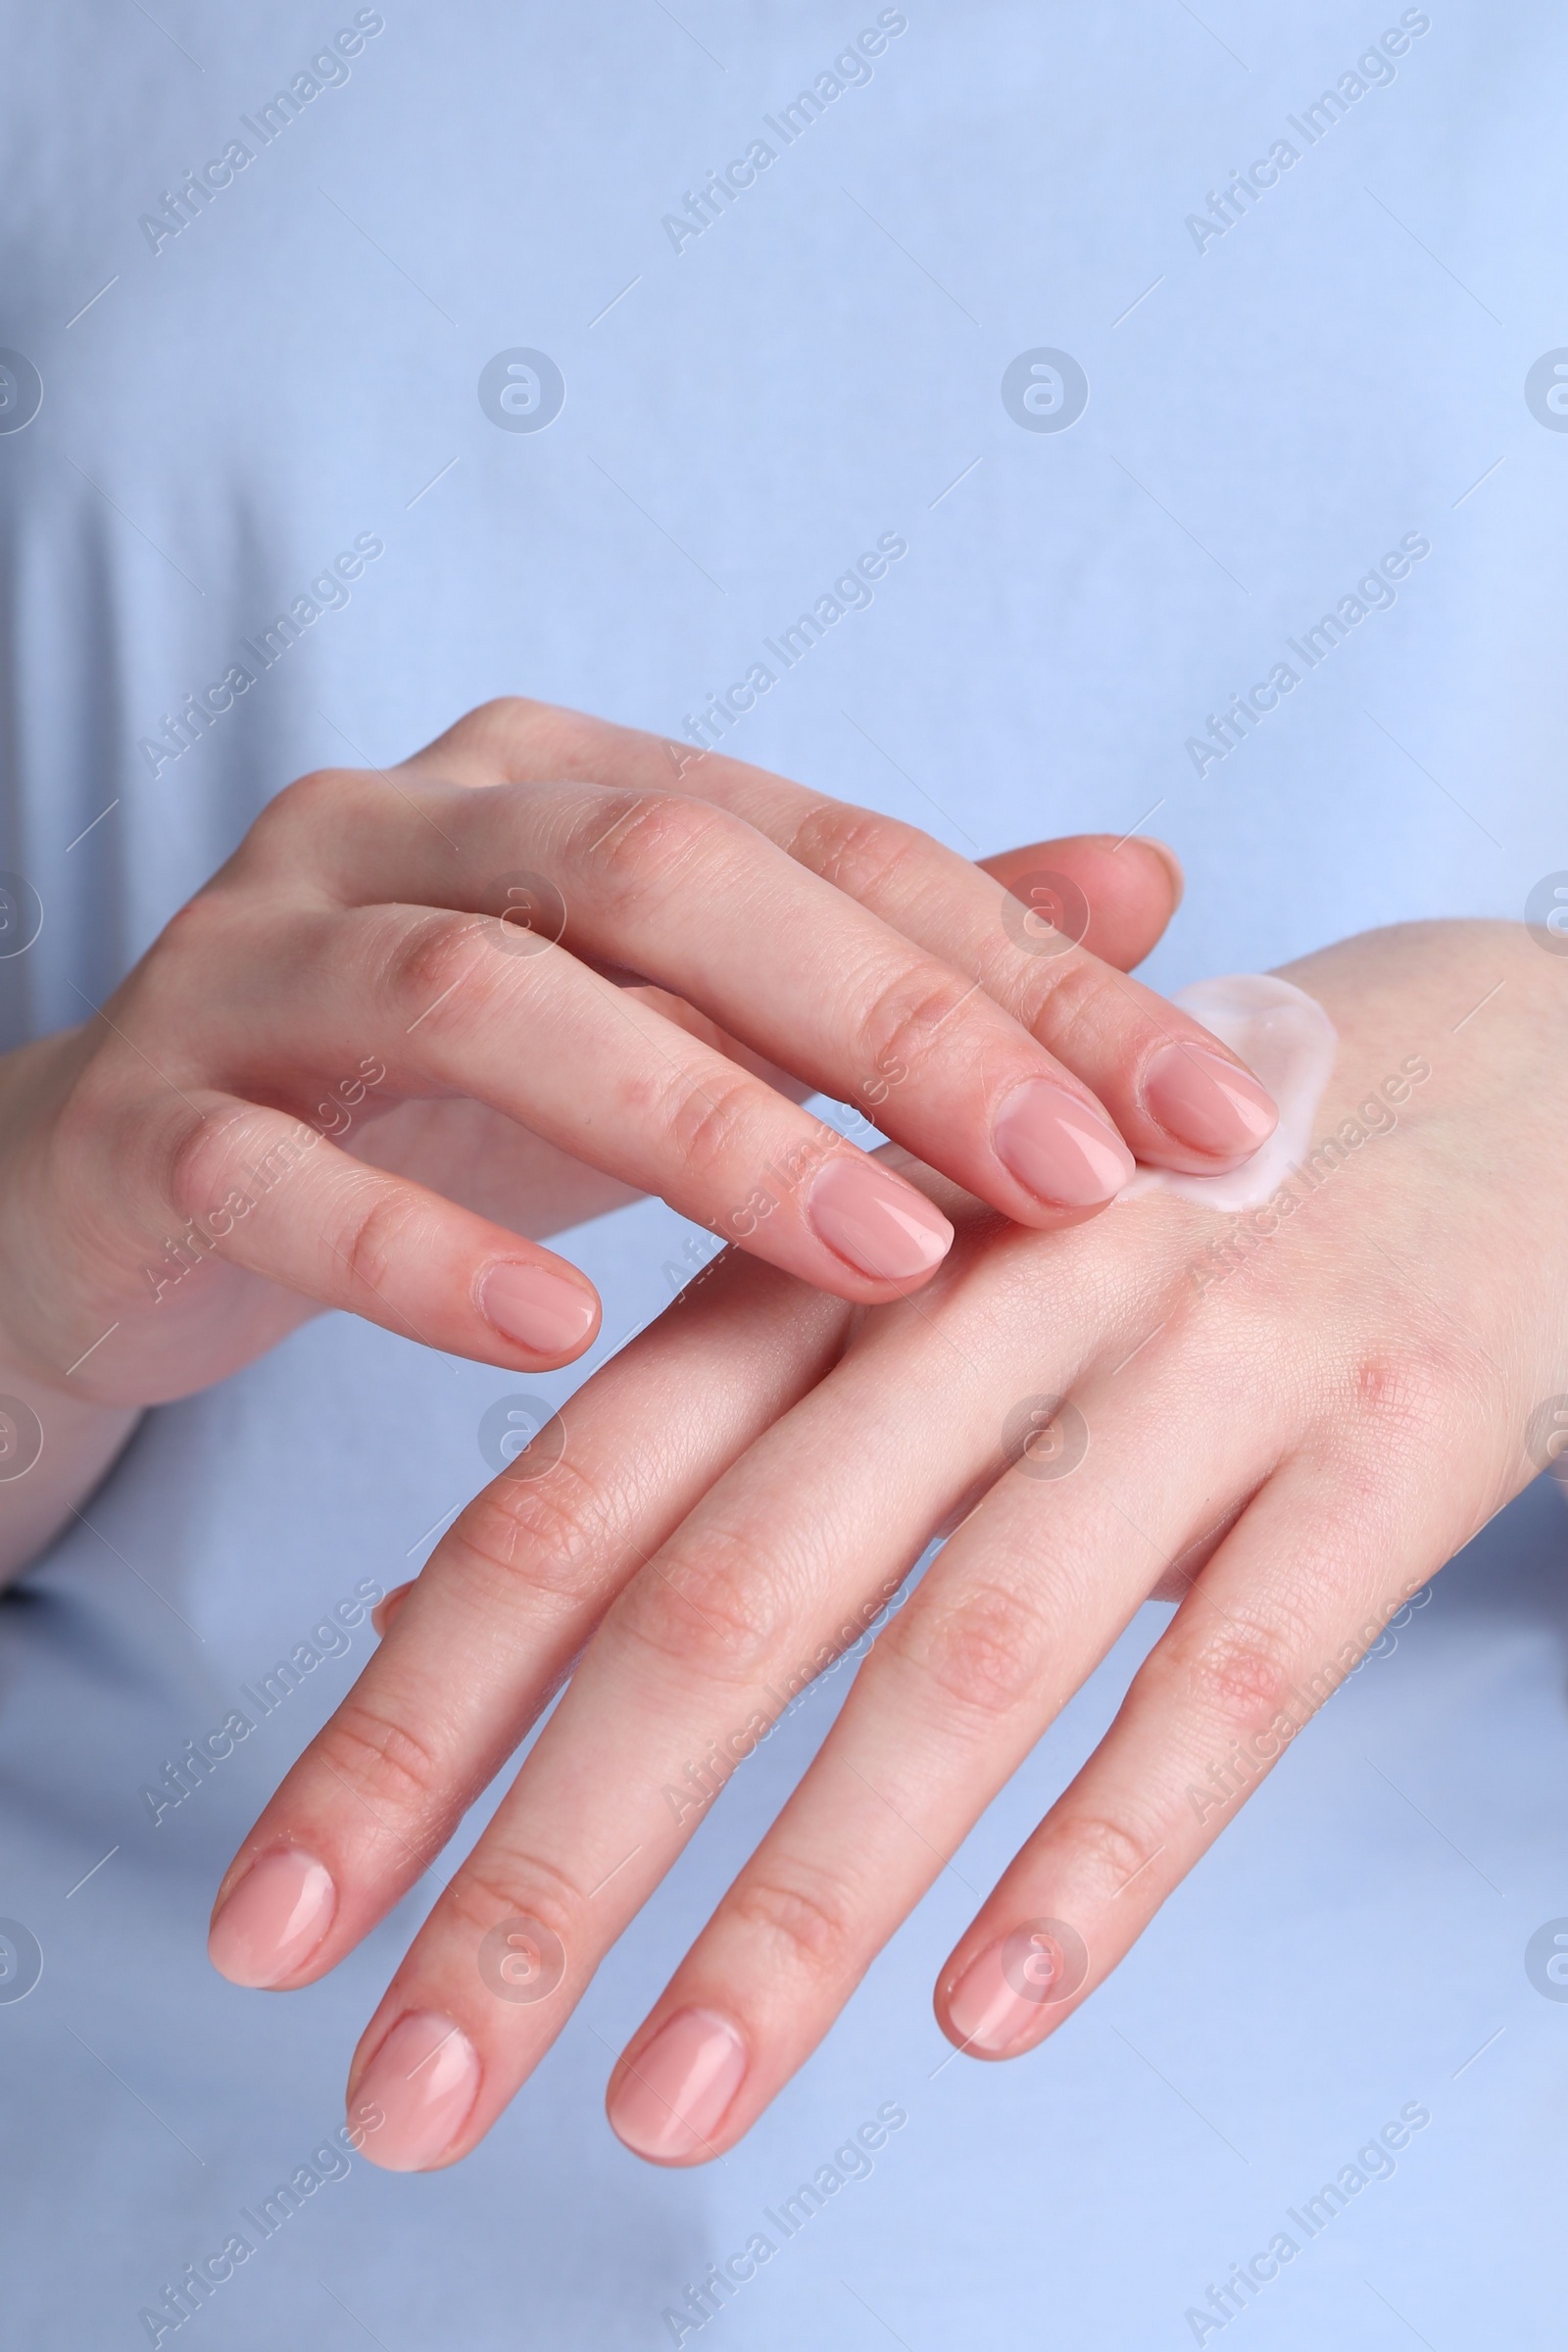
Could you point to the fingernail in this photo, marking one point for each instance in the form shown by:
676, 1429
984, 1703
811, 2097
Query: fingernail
1059, 1148
1171, 863
985, 2011
1207, 1103
387, 1607
425, 2078
274, 1920
535, 1308
668, 2104
876, 1224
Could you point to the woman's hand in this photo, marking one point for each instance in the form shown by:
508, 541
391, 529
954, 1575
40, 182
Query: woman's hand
380, 1048
1286, 1420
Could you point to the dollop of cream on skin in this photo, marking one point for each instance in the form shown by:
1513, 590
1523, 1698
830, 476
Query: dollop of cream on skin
1287, 1040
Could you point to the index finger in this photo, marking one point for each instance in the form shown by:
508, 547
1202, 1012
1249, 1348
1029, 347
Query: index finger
1180, 1098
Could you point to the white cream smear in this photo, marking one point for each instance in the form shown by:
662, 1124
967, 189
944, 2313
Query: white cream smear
1288, 1043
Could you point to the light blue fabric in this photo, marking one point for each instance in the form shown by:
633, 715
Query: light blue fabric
1271, 409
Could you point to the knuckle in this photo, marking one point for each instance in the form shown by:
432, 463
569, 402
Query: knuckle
380, 1760
193, 963
1396, 1409
205, 922
1228, 1673
864, 854
1100, 1855
521, 740
540, 1538
804, 1916
716, 1610
498, 1882
900, 1030
427, 959
634, 846
1405, 1394
501, 723
1074, 992
381, 1221
709, 1118
312, 802
983, 1649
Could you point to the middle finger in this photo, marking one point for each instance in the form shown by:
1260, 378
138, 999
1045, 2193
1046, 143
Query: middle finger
697, 901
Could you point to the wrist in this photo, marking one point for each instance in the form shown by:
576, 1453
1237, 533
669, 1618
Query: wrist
55, 1444
54, 1449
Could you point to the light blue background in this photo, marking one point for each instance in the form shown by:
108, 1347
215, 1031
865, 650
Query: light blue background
1344, 366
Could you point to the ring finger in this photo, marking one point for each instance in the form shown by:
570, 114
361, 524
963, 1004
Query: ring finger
1014, 1615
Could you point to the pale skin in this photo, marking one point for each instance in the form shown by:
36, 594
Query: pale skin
424, 1018
1288, 1440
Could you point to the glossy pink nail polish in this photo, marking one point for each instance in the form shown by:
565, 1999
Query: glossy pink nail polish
986, 2012
876, 1224
1207, 1103
387, 1607
533, 1306
274, 1918
672, 2099
1171, 861
425, 2078
1059, 1148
